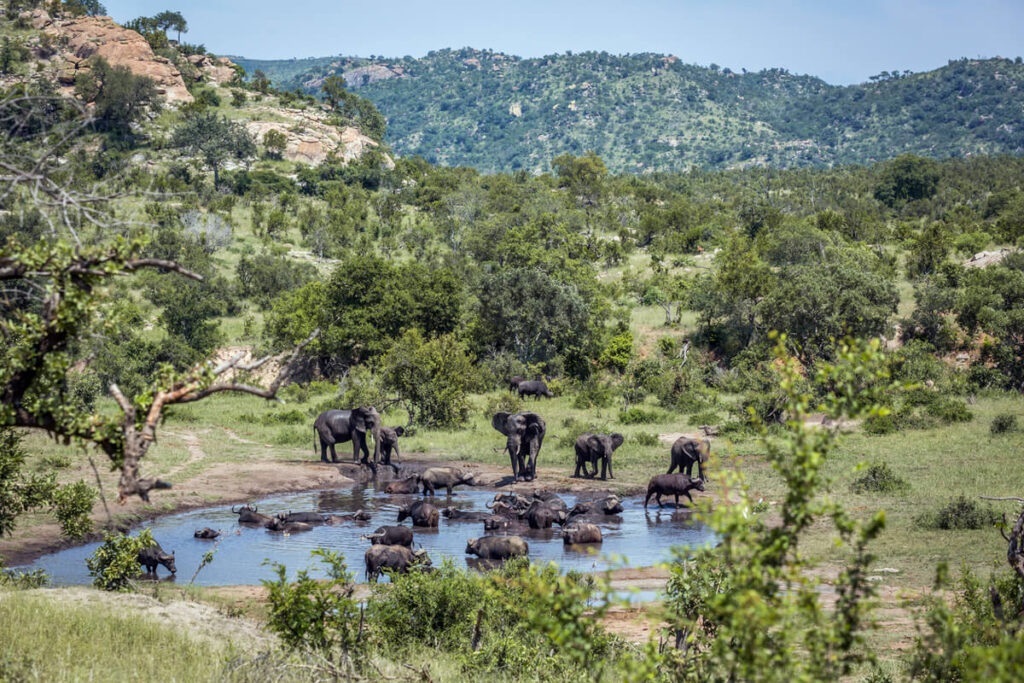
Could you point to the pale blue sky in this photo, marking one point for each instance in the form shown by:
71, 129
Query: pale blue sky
841, 41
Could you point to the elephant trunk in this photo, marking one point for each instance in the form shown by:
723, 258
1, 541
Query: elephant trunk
375, 430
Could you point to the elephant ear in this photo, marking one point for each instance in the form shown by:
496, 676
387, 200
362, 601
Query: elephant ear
595, 445
705, 450
500, 422
617, 440
359, 418
399, 431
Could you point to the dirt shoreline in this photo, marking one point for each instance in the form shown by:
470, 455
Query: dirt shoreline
239, 483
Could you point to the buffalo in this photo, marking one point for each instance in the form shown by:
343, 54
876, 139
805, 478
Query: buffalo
672, 485
390, 535
247, 514
396, 558
446, 477
154, 555
497, 547
206, 533
581, 532
423, 514
407, 485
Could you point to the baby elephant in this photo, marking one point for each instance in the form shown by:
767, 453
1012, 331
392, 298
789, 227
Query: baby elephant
423, 514
446, 477
497, 547
672, 485
594, 448
206, 533
407, 485
581, 532
390, 535
154, 555
389, 442
397, 558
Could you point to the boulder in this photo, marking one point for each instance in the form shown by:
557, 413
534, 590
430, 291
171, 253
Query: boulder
310, 140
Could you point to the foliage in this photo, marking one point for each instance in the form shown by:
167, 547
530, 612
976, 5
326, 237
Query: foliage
959, 513
263, 277
274, 141
72, 505
593, 393
213, 138
432, 377
1004, 423
319, 615
730, 616
119, 97
115, 564
907, 178
636, 415
879, 478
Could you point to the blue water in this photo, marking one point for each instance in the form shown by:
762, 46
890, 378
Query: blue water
636, 538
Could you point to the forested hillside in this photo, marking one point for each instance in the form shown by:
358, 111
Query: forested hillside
649, 112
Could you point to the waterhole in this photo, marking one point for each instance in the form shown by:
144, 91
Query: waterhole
635, 538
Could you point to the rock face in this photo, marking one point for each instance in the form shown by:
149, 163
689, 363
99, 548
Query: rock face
310, 140
214, 70
364, 75
983, 259
85, 37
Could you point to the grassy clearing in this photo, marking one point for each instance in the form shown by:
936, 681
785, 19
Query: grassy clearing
51, 640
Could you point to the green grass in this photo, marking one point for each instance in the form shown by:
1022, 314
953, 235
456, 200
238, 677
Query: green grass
55, 640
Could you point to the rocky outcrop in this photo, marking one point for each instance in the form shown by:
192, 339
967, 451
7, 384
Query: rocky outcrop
364, 75
214, 70
81, 38
983, 259
310, 139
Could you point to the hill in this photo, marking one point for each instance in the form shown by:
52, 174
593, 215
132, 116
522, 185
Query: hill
651, 112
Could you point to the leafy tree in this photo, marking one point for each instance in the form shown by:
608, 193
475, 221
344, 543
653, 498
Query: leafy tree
90, 8
275, 143
7, 56
264, 276
171, 21
120, 98
431, 377
532, 315
215, 139
353, 108
115, 564
907, 178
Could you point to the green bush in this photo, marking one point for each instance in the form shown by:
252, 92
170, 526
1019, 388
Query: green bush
879, 425
1004, 423
639, 416
54, 461
646, 439
506, 401
879, 478
115, 564
593, 393
950, 409
959, 513
72, 505
310, 613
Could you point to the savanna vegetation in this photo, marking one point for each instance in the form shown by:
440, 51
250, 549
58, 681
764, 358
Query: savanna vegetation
863, 375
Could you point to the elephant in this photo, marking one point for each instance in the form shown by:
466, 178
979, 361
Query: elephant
390, 535
206, 532
535, 388
154, 555
338, 426
686, 452
593, 447
247, 514
525, 432
513, 384
581, 532
389, 442
678, 484
397, 558
444, 477
497, 547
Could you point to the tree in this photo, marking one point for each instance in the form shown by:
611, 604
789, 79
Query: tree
215, 139
907, 178
275, 142
120, 98
431, 377
173, 21
90, 8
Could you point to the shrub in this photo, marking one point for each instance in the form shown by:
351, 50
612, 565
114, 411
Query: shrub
72, 505
1003, 423
432, 377
879, 425
645, 439
593, 393
639, 416
501, 367
307, 612
115, 564
54, 461
503, 402
879, 478
10, 578
959, 513
949, 409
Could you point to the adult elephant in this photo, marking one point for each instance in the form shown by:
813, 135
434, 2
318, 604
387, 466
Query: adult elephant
593, 447
339, 426
686, 452
525, 432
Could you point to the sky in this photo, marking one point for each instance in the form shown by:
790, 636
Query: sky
840, 41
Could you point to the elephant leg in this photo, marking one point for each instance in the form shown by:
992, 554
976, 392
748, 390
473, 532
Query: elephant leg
366, 452
334, 454
610, 474
576, 474
672, 467
604, 468
323, 450
514, 457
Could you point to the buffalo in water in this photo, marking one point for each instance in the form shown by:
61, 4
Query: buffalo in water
396, 558
497, 547
581, 532
206, 533
248, 514
390, 535
154, 555
407, 485
423, 514
444, 477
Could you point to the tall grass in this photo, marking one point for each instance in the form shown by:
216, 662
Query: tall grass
50, 640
